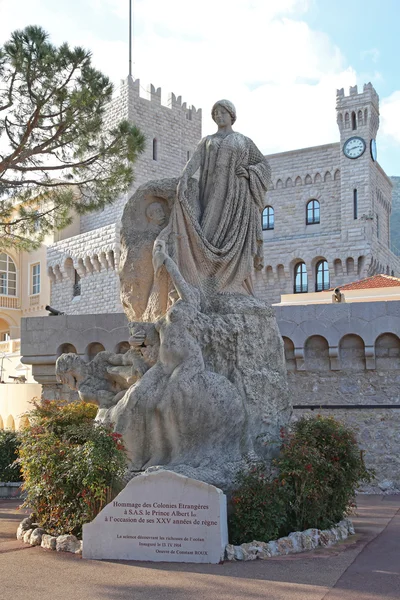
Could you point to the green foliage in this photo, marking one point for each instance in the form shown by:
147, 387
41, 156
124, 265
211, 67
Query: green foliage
318, 470
57, 154
258, 507
71, 465
322, 467
9, 443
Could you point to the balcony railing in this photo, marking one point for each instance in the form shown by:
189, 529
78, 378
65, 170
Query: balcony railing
10, 346
10, 302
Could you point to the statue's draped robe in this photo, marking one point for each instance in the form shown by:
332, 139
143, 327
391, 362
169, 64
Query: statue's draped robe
214, 233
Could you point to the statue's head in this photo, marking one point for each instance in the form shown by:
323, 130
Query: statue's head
155, 213
228, 106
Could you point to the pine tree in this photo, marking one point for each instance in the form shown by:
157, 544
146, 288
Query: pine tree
57, 157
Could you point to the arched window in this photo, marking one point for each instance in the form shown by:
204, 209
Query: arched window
322, 276
312, 212
155, 149
300, 279
8, 276
268, 218
353, 120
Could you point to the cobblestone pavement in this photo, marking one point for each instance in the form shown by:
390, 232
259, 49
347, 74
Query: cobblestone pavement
364, 567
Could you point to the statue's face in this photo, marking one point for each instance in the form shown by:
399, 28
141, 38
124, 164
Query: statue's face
221, 116
155, 213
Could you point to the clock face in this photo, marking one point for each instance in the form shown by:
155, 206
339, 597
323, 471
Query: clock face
354, 147
374, 152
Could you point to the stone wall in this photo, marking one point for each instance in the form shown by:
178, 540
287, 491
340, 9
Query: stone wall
378, 434
395, 217
93, 256
349, 355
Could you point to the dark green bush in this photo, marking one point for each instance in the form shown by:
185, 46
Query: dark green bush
322, 467
9, 443
258, 507
318, 471
71, 465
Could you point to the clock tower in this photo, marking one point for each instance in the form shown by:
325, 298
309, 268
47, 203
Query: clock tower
365, 191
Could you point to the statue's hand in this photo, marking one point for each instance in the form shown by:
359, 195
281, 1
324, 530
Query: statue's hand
242, 172
159, 255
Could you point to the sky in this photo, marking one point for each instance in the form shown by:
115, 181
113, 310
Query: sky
279, 61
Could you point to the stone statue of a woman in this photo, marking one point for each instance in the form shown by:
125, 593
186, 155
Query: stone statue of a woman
214, 233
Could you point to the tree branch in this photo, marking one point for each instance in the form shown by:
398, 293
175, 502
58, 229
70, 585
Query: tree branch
10, 91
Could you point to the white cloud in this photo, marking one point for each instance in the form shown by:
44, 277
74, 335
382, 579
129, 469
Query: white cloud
390, 117
373, 54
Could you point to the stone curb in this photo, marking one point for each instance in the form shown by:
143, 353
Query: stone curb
30, 533
299, 541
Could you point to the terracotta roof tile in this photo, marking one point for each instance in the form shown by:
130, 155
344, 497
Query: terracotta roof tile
376, 281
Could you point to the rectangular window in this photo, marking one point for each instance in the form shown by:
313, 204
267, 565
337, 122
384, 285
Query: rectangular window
355, 204
377, 226
77, 285
3, 284
35, 279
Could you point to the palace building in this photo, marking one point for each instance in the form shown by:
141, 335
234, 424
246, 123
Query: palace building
327, 220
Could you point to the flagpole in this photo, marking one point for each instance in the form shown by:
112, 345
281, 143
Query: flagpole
130, 38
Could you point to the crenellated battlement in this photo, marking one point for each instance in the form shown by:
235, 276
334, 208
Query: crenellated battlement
358, 110
368, 95
133, 89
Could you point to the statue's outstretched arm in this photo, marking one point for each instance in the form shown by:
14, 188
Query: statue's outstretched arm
182, 287
160, 257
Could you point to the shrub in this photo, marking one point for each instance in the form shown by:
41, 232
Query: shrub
9, 443
318, 471
322, 466
258, 507
71, 465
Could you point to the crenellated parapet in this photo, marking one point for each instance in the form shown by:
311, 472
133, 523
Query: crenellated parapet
132, 98
368, 95
84, 254
358, 110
